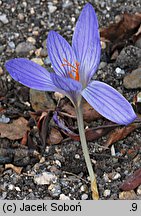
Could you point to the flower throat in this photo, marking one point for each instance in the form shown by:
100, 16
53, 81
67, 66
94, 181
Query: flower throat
75, 69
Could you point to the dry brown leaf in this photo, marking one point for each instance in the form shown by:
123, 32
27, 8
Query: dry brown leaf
43, 126
55, 137
94, 134
132, 181
120, 133
123, 29
14, 130
119, 33
89, 114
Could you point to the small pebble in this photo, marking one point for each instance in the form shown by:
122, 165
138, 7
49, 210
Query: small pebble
38, 61
73, 19
24, 48
77, 156
139, 190
107, 193
11, 187
4, 119
84, 196
45, 178
84, 188
32, 11
21, 16
18, 189
47, 61
11, 44
58, 163
63, 197
31, 40
127, 195
102, 65
3, 19
106, 177
52, 8
54, 190
119, 71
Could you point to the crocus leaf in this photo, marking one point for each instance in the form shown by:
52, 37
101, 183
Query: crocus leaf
109, 103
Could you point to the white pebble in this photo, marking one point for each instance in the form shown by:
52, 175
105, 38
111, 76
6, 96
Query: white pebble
3, 19
63, 197
45, 178
73, 19
84, 196
77, 156
116, 176
107, 193
119, 71
58, 163
11, 187
18, 189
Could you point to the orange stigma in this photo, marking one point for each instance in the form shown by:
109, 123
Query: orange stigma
75, 69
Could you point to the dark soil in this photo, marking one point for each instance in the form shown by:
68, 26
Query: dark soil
31, 20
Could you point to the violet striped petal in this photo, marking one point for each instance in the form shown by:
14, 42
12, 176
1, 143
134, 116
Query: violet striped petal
86, 43
66, 84
109, 103
59, 50
30, 74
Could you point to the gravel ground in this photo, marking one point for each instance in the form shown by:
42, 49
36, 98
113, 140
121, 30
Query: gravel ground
61, 171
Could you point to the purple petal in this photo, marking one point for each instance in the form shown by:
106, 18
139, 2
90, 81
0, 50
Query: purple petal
71, 88
66, 84
30, 74
58, 50
86, 43
109, 103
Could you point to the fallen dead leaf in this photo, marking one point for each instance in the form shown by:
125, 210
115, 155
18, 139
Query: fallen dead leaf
132, 182
41, 100
43, 126
91, 133
14, 130
54, 137
126, 26
117, 33
120, 133
89, 114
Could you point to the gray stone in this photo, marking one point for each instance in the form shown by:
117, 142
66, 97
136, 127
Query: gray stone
41, 100
52, 8
24, 48
129, 57
54, 190
11, 44
106, 193
133, 80
45, 178
84, 196
3, 19
2, 48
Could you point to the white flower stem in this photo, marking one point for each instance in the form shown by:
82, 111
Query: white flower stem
86, 152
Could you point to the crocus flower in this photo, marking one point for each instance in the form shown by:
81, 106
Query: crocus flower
74, 66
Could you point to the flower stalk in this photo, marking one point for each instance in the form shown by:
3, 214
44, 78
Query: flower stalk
95, 194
